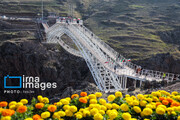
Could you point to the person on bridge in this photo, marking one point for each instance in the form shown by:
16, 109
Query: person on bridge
115, 68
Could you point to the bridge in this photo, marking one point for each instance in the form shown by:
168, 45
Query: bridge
109, 69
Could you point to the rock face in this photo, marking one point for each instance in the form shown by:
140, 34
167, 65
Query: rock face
49, 62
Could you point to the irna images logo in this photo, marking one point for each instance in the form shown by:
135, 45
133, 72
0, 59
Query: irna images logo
15, 82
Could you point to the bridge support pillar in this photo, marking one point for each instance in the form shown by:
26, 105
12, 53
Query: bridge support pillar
140, 83
135, 83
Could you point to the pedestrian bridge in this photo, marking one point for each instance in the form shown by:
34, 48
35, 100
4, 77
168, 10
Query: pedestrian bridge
109, 69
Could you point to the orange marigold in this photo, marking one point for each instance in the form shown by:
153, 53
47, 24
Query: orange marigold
22, 109
36, 117
3, 104
165, 102
8, 112
170, 100
74, 95
174, 103
39, 105
158, 103
83, 100
83, 94
162, 98
52, 108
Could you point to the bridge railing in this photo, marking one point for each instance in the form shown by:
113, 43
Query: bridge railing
149, 73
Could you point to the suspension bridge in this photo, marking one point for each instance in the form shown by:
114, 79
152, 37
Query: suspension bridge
109, 69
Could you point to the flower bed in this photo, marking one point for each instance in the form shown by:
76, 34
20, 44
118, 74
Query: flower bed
159, 105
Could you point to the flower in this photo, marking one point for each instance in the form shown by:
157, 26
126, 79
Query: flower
98, 94
113, 115
74, 96
28, 119
143, 103
118, 94
93, 101
69, 113
83, 100
79, 116
137, 109
19, 104
124, 107
64, 101
12, 103
94, 111
160, 111
45, 115
61, 113
22, 109
40, 98
39, 105
6, 118
3, 104
73, 108
24, 101
83, 94
98, 116
102, 101
147, 111
111, 98
45, 100
140, 96
36, 117
178, 118
126, 116
165, 102
92, 96
52, 108
7, 112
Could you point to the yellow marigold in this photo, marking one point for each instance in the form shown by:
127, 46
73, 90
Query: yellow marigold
45, 100
115, 106
68, 98
97, 106
147, 111
140, 96
73, 108
74, 96
40, 98
108, 106
160, 111
45, 115
137, 109
98, 116
92, 96
24, 101
69, 113
135, 102
61, 113
52, 108
59, 104
6, 118
93, 101
86, 113
101, 112
22, 109
103, 107
79, 116
111, 98
127, 95
19, 104
118, 94
56, 115
124, 107
36, 117
170, 109
143, 103
178, 118
113, 115
39, 105
94, 111
126, 116
102, 101
64, 101
174, 93
28, 119
98, 94
12, 107
3, 104
12, 103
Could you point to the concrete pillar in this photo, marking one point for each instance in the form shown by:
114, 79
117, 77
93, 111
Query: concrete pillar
134, 83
